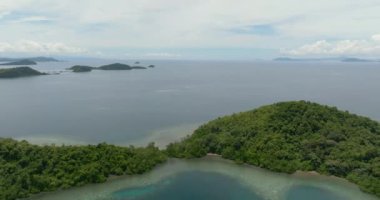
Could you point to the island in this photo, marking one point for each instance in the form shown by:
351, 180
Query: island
283, 137
291, 136
81, 68
35, 59
29, 169
20, 62
19, 72
119, 66
340, 59
114, 66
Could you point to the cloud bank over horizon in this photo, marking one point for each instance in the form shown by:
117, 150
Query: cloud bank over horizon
171, 29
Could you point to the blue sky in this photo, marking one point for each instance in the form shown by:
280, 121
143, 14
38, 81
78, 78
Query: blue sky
190, 29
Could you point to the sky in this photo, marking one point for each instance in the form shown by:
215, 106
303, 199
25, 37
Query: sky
190, 29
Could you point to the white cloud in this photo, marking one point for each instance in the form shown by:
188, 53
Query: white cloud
342, 47
113, 25
28, 46
32, 19
376, 37
162, 55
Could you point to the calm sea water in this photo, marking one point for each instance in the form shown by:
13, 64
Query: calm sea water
167, 102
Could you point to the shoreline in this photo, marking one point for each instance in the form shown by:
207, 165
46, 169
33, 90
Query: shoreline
265, 183
307, 175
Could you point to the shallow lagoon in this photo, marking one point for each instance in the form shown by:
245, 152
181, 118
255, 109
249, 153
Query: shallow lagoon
213, 178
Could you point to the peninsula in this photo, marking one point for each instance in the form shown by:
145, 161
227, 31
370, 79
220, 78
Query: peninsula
291, 136
282, 137
29, 169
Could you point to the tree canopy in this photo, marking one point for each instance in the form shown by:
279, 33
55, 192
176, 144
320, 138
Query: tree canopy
28, 169
19, 72
290, 136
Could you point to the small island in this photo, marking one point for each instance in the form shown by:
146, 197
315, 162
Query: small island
19, 72
20, 62
81, 68
119, 66
291, 136
114, 66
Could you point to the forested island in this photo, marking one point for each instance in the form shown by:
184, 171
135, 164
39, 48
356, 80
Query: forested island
114, 66
283, 137
27, 169
19, 72
35, 59
291, 136
20, 62
81, 68
119, 66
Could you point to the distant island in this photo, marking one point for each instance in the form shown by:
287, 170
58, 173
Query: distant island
341, 59
291, 136
119, 66
114, 66
20, 62
19, 72
35, 59
81, 68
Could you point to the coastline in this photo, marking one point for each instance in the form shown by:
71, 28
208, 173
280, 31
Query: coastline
265, 183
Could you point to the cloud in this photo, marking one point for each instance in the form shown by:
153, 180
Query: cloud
33, 19
376, 37
342, 47
114, 26
162, 55
263, 30
28, 46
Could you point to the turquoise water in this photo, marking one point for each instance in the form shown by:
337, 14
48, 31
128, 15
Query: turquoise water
213, 178
188, 186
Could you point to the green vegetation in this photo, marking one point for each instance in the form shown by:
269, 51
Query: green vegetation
119, 66
35, 59
29, 169
20, 62
290, 136
81, 68
115, 66
19, 72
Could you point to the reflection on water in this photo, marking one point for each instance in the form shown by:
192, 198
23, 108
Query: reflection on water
213, 178
190, 185
305, 192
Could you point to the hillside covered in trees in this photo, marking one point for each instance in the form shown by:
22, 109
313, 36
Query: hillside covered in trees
290, 136
19, 72
28, 169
